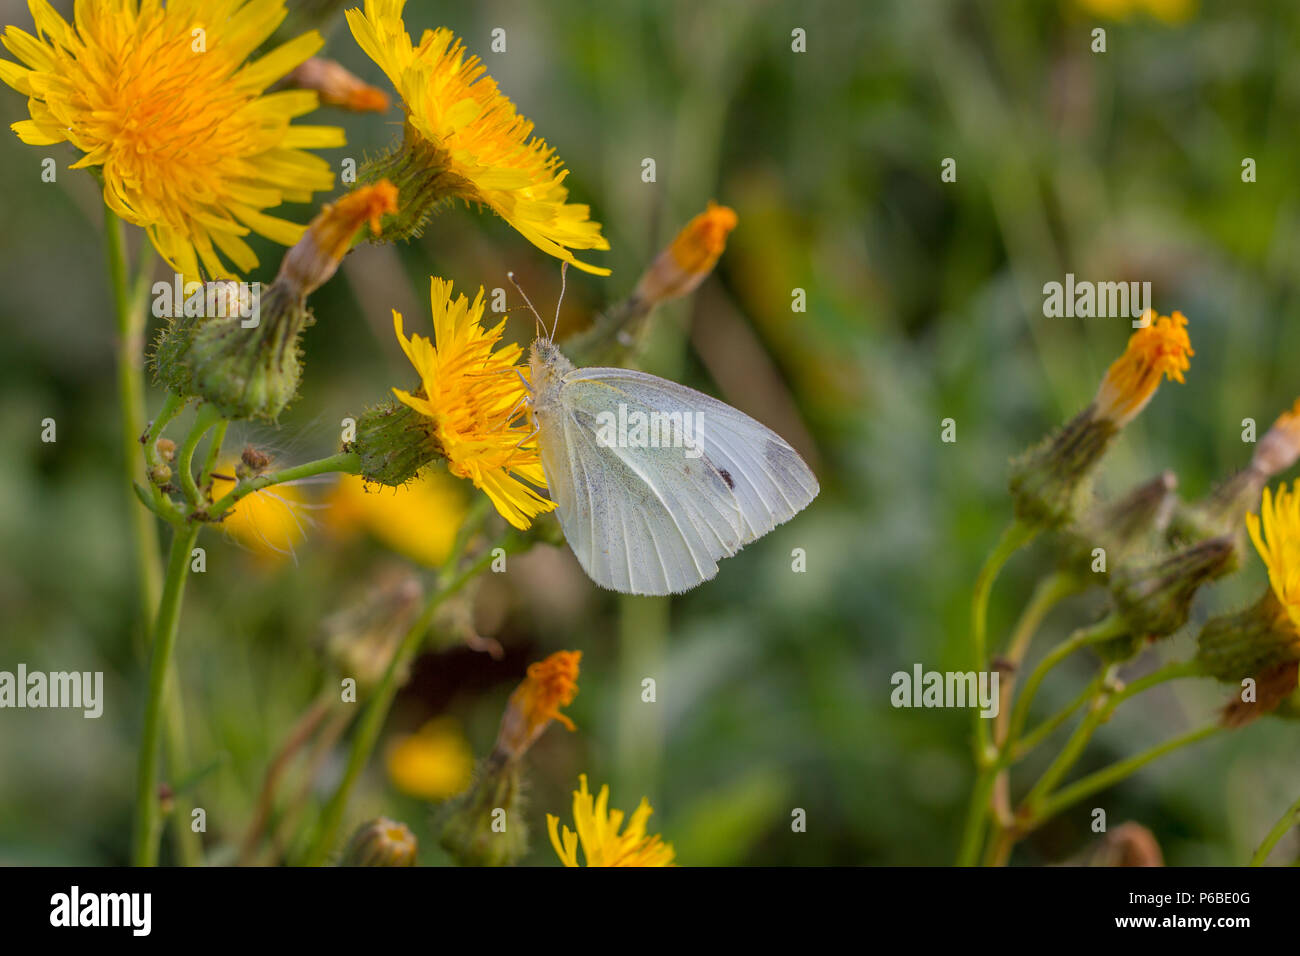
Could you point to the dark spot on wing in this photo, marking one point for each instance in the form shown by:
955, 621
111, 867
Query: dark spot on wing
726, 476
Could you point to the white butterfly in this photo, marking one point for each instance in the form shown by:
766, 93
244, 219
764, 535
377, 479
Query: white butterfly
643, 519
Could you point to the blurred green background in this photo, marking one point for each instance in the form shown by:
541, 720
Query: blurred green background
923, 302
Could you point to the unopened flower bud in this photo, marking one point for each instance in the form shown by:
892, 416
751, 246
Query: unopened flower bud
361, 640
252, 463
395, 443
252, 372
160, 474
1123, 526
166, 448
1280, 447
1155, 599
381, 842
485, 826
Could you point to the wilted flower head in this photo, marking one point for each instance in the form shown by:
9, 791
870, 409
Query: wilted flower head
1158, 350
551, 684
471, 398
161, 98
1046, 481
1280, 447
597, 832
337, 86
316, 256
465, 139
691, 256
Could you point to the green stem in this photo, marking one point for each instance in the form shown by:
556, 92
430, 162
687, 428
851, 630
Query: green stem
1098, 715
381, 699
1103, 630
1013, 538
347, 462
214, 452
207, 417
129, 311
1111, 775
1280, 829
1022, 747
147, 822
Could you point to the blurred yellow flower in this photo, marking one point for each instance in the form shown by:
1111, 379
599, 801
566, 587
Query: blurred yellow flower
1276, 534
161, 98
551, 684
690, 258
474, 400
268, 521
417, 520
1170, 11
1159, 349
433, 763
602, 844
482, 149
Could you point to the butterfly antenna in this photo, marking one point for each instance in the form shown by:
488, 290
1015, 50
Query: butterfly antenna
527, 301
564, 284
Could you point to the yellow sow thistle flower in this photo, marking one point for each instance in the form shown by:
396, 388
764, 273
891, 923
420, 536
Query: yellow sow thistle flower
473, 398
1276, 534
602, 844
1160, 350
189, 144
477, 145
680, 268
551, 684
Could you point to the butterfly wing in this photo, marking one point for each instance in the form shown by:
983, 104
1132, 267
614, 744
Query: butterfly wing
647, 520
769, 480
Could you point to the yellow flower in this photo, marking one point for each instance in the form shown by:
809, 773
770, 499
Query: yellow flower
433, 763
480, 141
602, 844
551, 684
1276, 533
266, 521
474, 398
417, 520
190, 146
1160, 349
1170, 11
691, 256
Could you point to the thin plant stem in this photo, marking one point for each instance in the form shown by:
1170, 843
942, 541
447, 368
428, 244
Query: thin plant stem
207, 417
1111, 775
346, 462
381, 699
1280, 829
1023, 746
214, 452
1016, 536
1105, 629
147, 823
130, 314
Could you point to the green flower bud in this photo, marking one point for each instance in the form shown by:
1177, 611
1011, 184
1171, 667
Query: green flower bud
1155, 599
1120, 527
420, 171
252, 372
1049, 481
394, 442
381, 842
484, 826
